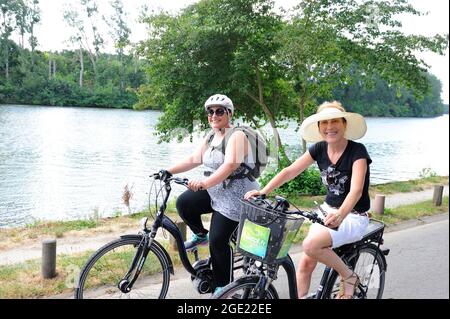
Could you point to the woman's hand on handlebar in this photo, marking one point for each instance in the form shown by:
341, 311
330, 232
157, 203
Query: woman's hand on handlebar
252, 194
196, 185
332, 220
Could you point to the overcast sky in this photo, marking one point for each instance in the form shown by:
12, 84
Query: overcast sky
53, 33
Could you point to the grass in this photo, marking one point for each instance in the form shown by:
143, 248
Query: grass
408, 186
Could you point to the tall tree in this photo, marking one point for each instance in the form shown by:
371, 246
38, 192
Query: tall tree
9, 11
120, 32
34, 18
86, 32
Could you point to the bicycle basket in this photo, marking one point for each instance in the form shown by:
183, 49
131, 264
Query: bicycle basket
265, 234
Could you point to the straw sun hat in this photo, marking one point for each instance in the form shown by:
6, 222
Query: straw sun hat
356, 125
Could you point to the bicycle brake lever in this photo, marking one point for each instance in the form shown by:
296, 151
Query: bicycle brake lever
321, 209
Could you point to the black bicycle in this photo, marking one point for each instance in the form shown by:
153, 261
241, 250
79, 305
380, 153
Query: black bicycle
365, 257
138, 266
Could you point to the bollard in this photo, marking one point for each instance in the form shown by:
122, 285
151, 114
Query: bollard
49, 258
182, 227
378, 206
437, 195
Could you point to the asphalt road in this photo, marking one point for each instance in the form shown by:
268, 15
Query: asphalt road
418, 264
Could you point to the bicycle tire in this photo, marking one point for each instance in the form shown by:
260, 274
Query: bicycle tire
102, 273
372, 284
246, 285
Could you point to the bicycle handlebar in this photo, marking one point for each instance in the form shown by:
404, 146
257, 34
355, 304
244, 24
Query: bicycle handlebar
177, 180
282, 205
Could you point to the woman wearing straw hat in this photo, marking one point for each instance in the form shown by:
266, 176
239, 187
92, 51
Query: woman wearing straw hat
344, 166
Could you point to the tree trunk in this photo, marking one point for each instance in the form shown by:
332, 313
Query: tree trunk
49, 68
279, 145
54, 69
81, 67
7, 65
302, 118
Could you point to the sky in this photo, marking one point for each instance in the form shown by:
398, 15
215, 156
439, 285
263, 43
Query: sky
53, 33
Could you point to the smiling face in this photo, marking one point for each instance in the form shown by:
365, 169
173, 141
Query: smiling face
333, 130
218, 117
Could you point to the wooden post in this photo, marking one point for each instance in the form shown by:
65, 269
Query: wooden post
437, 195
182, 227
48, 259
379, 203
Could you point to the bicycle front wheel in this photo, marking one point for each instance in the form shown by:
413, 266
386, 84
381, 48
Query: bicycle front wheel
245, 288
106, 269
370, 267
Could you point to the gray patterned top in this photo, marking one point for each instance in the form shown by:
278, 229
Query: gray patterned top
225, 200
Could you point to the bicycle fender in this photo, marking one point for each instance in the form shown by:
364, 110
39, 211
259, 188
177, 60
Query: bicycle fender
376, 248
289, 267
157, 248
172, 228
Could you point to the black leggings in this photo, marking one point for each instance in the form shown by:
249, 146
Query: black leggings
191, 205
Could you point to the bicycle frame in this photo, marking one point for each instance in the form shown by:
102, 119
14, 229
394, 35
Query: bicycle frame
166, 223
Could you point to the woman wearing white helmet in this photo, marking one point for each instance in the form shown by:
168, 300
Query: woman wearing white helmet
219, 193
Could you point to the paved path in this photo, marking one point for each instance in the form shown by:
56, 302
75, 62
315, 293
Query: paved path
400, 199
77, 245
418, 265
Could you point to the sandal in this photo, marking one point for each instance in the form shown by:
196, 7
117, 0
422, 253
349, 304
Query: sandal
341, 294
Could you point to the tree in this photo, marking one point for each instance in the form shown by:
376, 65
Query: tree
325, 38
9, 10
34, 18
121, 36
210, 47
83, 38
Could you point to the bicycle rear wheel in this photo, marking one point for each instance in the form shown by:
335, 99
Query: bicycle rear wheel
245, 288
100, 277
370, 267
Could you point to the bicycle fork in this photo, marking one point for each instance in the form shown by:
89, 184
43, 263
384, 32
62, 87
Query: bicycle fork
138, 262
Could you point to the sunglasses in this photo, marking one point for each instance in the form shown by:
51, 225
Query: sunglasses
218, 112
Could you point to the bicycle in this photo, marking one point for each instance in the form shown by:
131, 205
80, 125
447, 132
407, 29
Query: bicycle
139, 266
365, 257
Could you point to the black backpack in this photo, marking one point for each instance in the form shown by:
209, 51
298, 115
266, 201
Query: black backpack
258, 149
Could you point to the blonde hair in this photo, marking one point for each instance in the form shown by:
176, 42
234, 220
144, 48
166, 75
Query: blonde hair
327, 105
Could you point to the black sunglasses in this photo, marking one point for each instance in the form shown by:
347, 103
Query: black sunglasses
218, 112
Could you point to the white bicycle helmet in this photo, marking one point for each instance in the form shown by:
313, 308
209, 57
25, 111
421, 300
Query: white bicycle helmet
220, 99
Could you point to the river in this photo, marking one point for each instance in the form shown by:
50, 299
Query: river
73, 163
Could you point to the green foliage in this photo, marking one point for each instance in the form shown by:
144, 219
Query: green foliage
37, 88
53, 78
382, 99
307, 183
210, 47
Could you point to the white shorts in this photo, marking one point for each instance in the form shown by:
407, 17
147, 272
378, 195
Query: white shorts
350, 230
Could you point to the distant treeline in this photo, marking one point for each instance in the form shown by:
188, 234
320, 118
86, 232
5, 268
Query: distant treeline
383, 100
54, 79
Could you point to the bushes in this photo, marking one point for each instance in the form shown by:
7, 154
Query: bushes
307, 183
